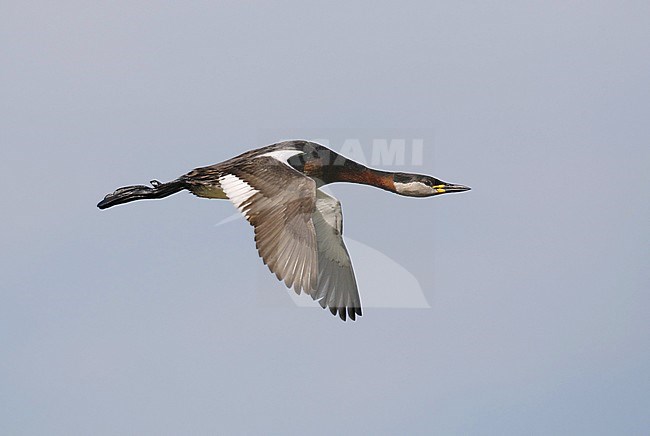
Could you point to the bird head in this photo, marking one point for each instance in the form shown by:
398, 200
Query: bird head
417, 185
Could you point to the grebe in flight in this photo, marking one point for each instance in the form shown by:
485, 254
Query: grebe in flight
298, 227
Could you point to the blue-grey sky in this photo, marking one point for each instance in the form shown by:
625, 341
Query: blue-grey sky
149, 319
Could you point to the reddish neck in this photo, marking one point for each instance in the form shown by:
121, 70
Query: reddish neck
352, 172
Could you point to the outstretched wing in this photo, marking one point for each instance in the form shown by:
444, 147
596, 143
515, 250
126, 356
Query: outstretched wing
278, 202
298, 230
337, 286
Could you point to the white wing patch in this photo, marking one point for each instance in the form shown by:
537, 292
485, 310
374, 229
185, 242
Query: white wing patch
329, 228
282, 155
337, 286
237, 190
330, 211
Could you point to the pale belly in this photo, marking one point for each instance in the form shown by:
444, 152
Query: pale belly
209, 191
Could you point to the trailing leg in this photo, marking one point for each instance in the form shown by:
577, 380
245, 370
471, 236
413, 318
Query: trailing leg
141, 192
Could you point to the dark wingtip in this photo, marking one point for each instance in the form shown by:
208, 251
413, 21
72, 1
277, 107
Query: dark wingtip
345, 313
353, 312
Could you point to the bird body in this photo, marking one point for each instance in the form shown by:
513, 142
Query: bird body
298, 227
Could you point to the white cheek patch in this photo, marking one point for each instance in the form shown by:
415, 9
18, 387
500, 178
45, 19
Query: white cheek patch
414, 189
237, 190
